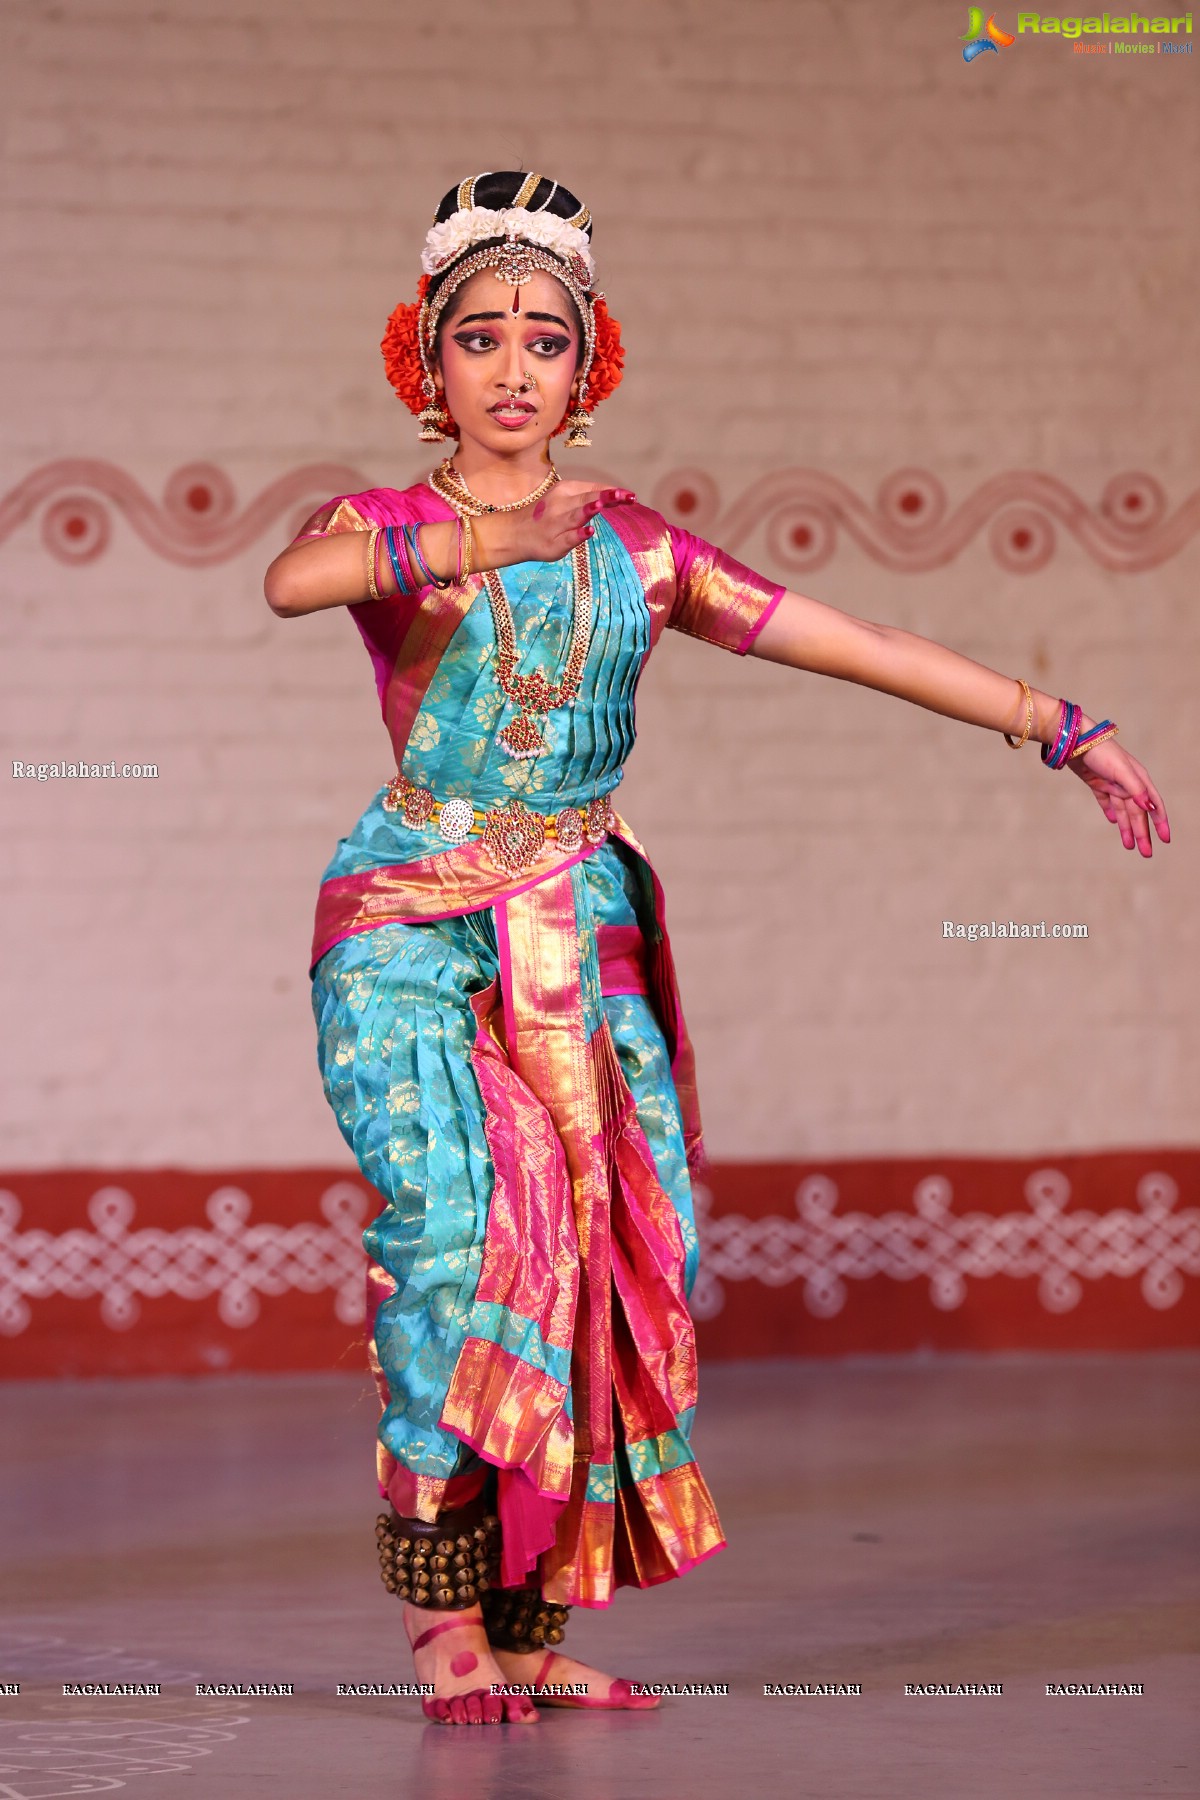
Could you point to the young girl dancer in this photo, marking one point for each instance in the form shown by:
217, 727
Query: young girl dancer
500, 1031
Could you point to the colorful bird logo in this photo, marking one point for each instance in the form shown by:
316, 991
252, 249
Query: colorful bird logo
983, 37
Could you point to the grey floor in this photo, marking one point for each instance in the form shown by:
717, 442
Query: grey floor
1021, 1520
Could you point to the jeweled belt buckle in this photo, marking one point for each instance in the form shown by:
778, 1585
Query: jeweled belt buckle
514, 837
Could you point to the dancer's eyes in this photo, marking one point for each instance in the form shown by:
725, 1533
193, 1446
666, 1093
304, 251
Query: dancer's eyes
476, 343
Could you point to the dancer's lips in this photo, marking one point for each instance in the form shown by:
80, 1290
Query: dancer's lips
512, 413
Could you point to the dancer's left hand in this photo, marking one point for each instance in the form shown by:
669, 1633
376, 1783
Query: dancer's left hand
1125, 794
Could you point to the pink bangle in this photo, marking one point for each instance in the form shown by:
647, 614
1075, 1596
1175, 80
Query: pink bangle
1073, 734
1055, 756
399, 539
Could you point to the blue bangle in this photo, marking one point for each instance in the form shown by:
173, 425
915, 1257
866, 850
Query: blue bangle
410, 533
1052, 756
1104, 725
1060, 740
389, 538
1066, 740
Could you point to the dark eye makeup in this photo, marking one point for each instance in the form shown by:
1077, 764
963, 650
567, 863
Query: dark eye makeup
550, 343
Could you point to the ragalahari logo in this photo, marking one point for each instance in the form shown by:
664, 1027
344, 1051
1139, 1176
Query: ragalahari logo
983, 37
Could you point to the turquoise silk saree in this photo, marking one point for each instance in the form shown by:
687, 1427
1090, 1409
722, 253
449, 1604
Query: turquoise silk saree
505, 1054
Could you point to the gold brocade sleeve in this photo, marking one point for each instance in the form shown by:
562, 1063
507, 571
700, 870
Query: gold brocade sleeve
336, 515
718, 598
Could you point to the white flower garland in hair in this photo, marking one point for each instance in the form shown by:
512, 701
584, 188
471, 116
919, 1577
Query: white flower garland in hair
473, 224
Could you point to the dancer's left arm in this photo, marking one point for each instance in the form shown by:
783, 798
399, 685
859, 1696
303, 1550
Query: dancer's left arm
807, 634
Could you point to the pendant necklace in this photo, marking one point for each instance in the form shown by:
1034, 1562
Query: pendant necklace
524, 737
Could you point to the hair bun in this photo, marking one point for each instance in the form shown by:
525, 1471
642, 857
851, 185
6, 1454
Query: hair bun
500, 188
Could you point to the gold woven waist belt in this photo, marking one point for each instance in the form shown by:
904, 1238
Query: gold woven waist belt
513, 834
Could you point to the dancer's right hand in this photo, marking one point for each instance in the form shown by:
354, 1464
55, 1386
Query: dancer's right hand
550, 528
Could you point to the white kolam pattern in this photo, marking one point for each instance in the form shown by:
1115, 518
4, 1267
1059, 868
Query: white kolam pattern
238, 1261
1059, 1249
233, 1259
54, 1746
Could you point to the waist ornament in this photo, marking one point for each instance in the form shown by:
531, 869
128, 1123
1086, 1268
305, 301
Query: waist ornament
514, 835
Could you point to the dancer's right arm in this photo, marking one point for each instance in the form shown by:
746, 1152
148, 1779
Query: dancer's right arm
332, 571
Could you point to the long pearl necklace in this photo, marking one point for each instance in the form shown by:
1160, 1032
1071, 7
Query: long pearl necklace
525, 737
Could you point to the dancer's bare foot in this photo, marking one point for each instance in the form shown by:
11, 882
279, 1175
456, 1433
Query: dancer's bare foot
548, 1668
457, 1658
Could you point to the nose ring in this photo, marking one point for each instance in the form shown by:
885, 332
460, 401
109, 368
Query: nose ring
530, 381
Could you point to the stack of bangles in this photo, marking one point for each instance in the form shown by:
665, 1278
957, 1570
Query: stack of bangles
409, 567
1068, 741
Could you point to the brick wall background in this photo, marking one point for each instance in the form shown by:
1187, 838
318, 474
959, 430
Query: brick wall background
833, 247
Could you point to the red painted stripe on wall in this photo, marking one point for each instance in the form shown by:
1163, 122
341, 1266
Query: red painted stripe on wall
174, 1271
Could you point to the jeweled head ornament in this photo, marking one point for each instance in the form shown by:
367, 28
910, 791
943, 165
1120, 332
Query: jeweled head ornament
515, 240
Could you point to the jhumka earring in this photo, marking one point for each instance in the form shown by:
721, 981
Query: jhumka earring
578, 420
433, 418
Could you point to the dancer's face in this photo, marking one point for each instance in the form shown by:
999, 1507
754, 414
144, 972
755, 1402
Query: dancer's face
485, 348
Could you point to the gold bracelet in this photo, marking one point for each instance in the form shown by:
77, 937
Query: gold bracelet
1015, 743
1101, 738
463, 555
372, 548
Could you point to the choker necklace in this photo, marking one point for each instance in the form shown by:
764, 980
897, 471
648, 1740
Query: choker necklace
447, 482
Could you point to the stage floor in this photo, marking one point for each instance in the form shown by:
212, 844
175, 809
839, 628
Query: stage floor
1021, 1520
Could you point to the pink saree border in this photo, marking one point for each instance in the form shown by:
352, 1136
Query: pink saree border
400, 893
747, 643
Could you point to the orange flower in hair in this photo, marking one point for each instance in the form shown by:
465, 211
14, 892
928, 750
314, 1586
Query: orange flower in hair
608, 359
402, 351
